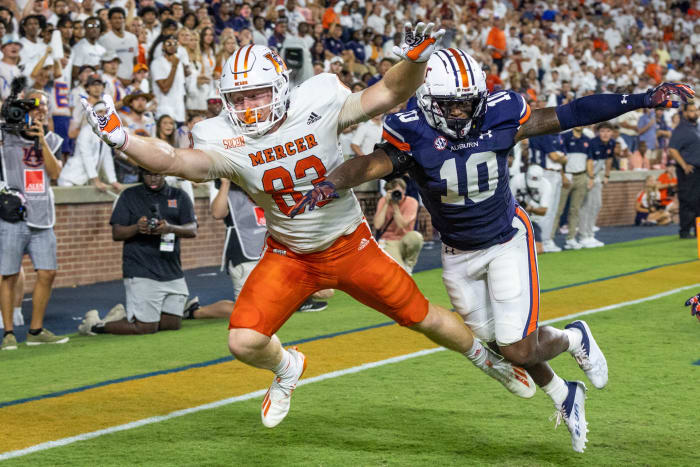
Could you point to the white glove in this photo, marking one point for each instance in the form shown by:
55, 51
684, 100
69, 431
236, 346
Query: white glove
18, 318
419, 43
108, 126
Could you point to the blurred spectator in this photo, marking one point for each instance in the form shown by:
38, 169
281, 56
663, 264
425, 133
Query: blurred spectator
579, 172
496, 42
601, 151
169, 82
150, 219
548, 152
639, 160
32, 46
122, 43
364, 138
649, 209
88, 51
532, 192
393, 223
29, 162
684, 148
92, 156
276, 40
9, 70
667, 184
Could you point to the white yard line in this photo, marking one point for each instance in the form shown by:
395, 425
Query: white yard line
315, 379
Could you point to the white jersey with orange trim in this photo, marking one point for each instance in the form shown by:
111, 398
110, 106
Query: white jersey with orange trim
278, 168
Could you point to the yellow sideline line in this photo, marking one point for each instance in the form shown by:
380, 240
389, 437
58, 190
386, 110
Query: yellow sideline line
108, 406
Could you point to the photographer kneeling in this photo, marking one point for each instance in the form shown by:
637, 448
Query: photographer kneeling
150, 219
393, 224
28, 160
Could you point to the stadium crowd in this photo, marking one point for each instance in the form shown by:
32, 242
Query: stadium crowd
160, 62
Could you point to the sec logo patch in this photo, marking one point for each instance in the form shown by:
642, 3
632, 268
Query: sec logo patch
440, 143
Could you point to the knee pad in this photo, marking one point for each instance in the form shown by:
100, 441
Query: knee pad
504, 278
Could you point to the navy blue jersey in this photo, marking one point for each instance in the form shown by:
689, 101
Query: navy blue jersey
464, 182
573, 144
601, 150
542, 145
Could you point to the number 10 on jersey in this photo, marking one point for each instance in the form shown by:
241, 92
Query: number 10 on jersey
481, 172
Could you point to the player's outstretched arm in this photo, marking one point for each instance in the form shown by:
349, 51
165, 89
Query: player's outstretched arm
402, 80
381, 162
599, 108
150, 153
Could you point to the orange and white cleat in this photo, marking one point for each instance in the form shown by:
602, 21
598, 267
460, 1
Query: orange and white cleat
516, 379
275, 404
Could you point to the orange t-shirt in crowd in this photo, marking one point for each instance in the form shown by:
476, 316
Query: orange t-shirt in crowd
409, 211
654, 71
492, 80
497, 40
666, 179
329, 17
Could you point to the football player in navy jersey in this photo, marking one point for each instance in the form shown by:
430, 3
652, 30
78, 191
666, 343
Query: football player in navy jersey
455, 146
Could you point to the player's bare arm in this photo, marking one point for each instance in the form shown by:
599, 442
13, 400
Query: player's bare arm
150, 153
599, 108
400, 82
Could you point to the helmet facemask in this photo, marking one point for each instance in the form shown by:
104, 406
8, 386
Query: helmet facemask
438, 112
256, 121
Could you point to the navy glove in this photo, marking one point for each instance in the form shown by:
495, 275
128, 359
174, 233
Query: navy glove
694, 304
660, 96
322, 191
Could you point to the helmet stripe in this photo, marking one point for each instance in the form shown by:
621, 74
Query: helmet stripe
462, 69
469, 66
245, 60
454, 70
235, 62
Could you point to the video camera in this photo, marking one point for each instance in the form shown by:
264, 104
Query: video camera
15, 111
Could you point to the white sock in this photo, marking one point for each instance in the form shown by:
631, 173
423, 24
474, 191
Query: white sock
17, 316
557, 390
575, 337
477, 354
285, 365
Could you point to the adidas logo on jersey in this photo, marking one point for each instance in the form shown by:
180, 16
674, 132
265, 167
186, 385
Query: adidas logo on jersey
314, 117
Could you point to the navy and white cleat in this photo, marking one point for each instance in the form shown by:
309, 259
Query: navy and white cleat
573, 412
589, 356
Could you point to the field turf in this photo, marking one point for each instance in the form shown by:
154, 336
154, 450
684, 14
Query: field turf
434, 409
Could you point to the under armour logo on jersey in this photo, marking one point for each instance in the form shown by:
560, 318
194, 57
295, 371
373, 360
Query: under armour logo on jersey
624, 99
449, 250
314, 117
487, 134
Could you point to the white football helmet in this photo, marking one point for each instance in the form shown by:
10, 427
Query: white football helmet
452, 78
255, 67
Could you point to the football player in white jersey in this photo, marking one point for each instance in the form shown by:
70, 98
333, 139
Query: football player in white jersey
276, 144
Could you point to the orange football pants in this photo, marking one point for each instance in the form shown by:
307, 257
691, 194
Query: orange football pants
355, 264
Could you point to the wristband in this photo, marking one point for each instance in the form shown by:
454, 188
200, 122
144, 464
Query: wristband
126, 142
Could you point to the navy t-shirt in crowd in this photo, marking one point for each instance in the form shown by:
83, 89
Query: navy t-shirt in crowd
141, 256
686, 140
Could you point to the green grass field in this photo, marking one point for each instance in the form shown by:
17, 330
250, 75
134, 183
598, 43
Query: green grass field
430, 410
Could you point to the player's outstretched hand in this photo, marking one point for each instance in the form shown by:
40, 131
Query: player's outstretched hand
419, 43
322, 191
660, 96
694, 304
107, 125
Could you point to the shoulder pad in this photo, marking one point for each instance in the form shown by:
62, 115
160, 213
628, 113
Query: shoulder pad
401, 128
505, 109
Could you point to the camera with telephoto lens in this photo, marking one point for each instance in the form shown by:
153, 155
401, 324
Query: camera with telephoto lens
15, 111
396, 195
521, 197
155, 217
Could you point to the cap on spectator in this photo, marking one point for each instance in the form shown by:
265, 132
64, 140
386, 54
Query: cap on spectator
86, 67
8, 39
336, 59
134, 94
110, 57
139, 67
94, 79
282, 20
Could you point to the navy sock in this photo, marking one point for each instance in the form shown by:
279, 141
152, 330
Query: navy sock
35, 332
